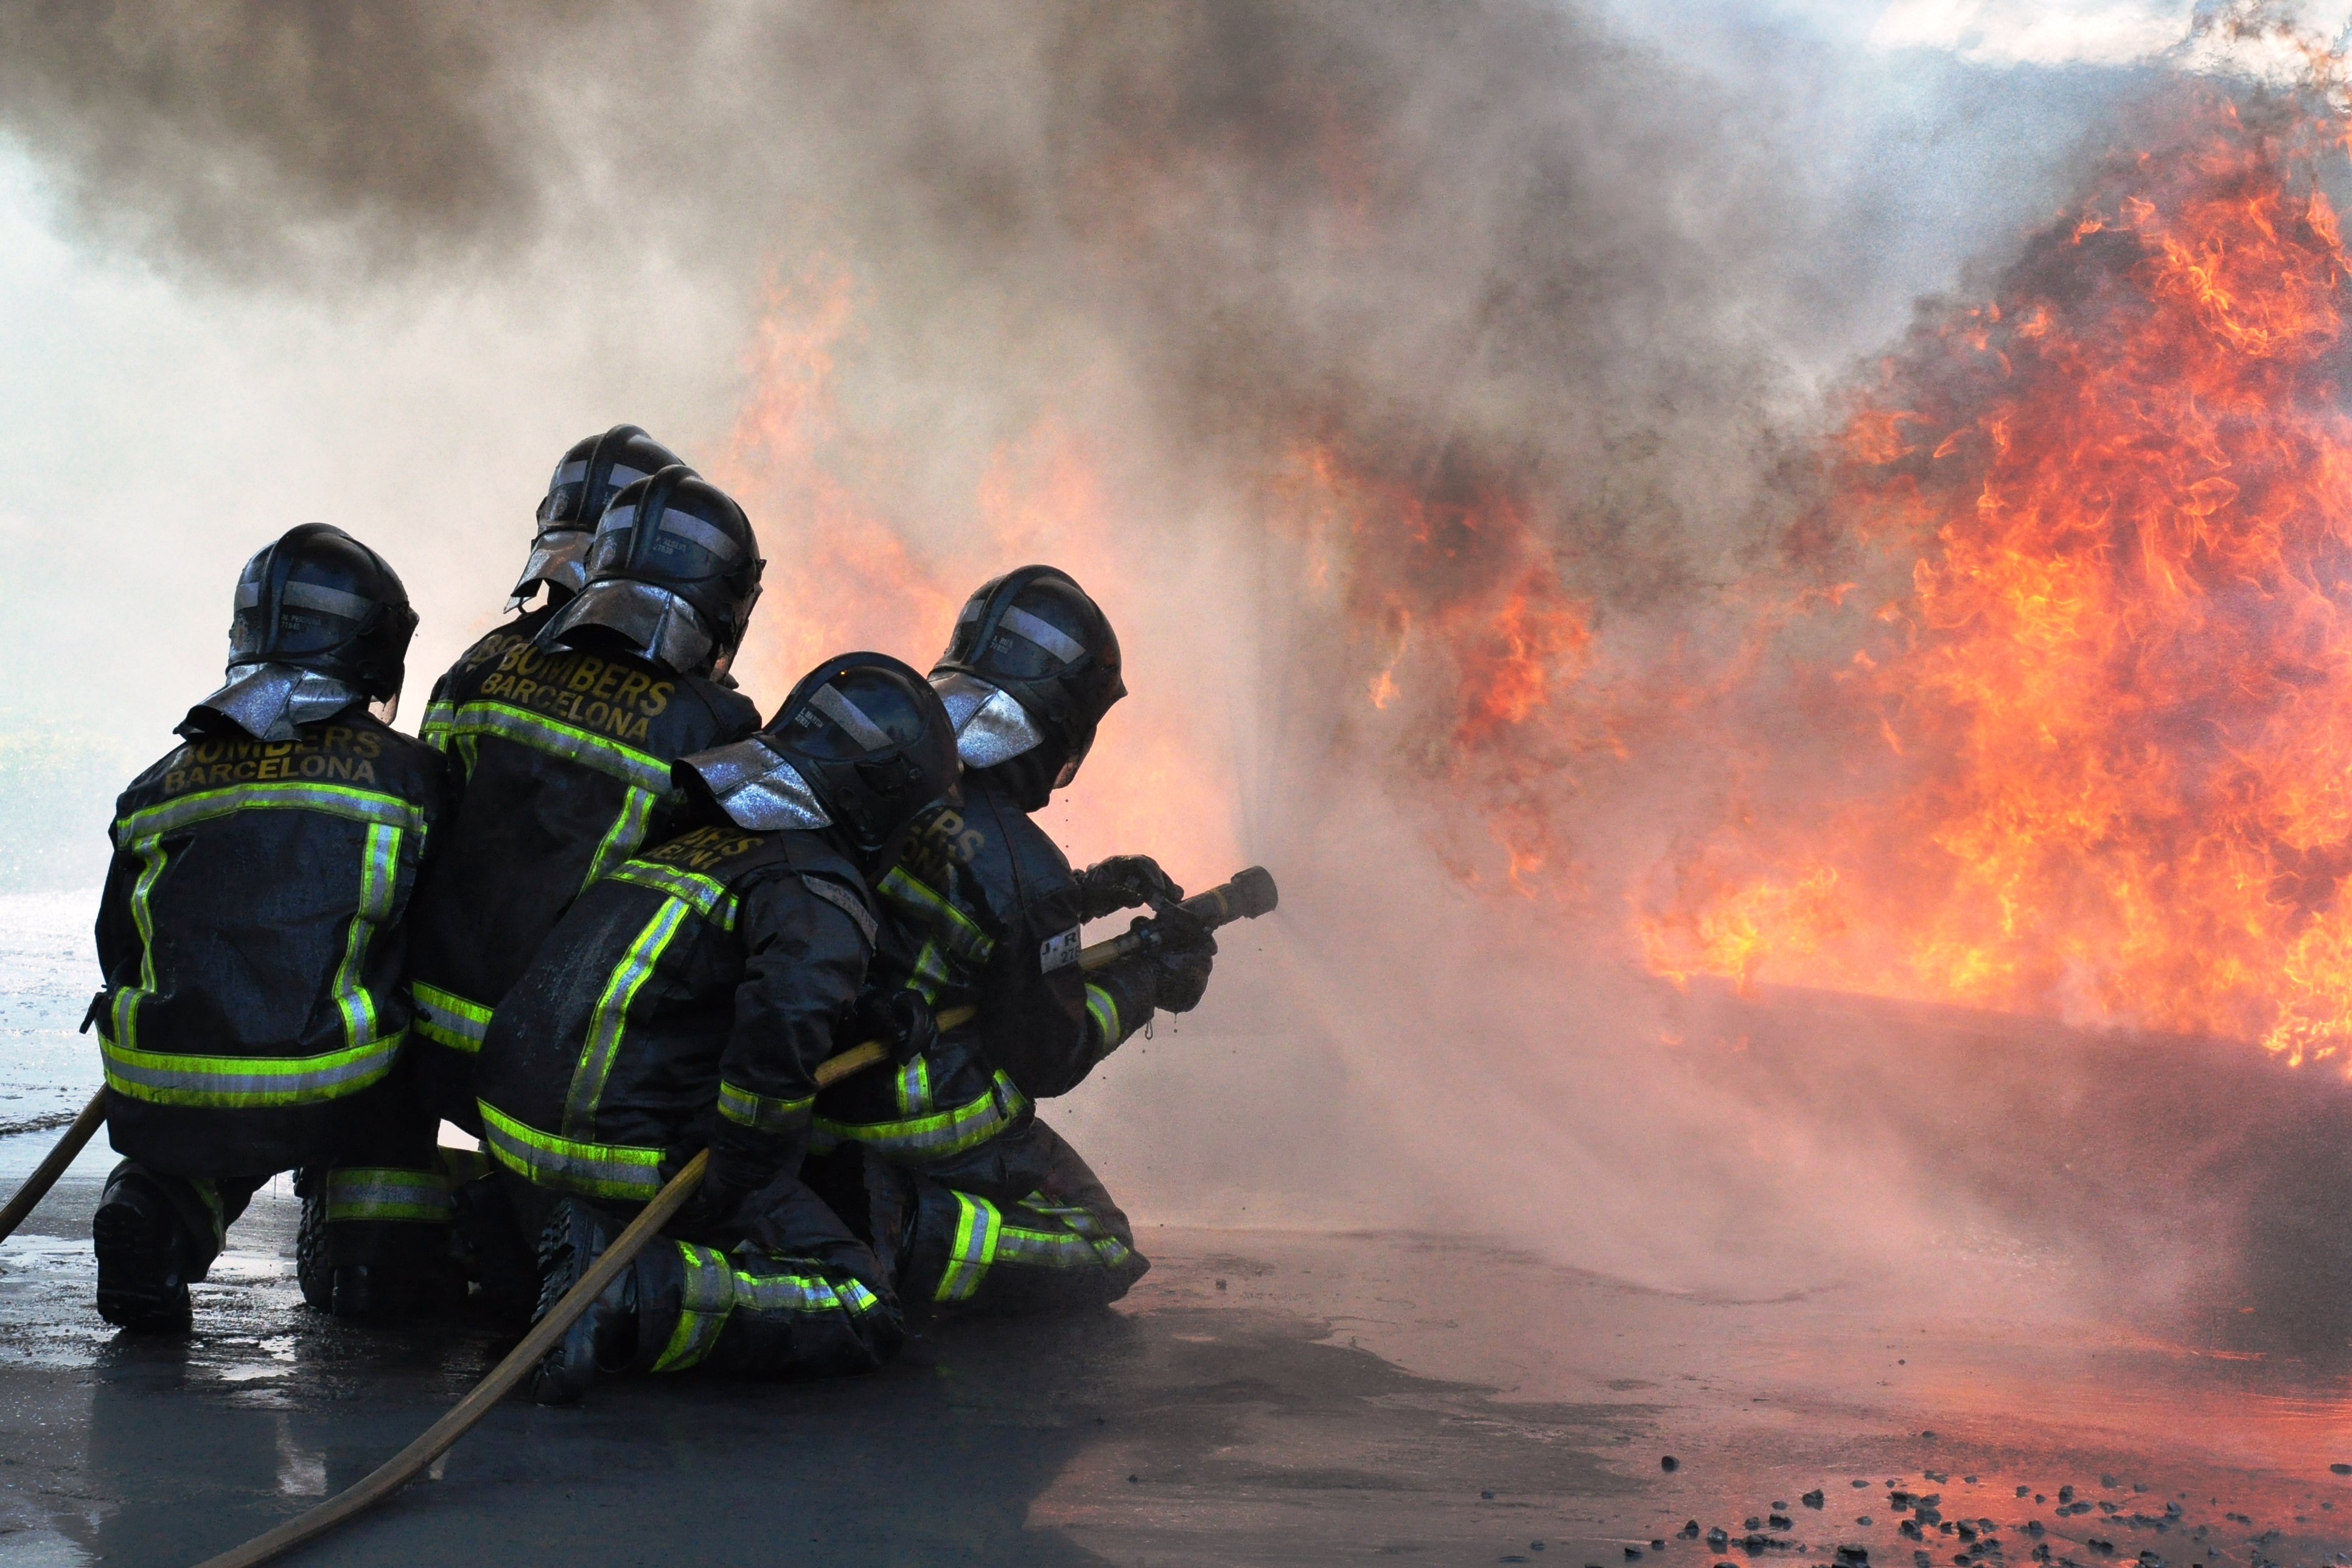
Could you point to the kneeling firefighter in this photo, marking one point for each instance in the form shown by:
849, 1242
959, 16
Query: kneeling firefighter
561, 727
685, 1001
984, 910
252, 933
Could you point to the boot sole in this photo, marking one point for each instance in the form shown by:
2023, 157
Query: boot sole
135, 1291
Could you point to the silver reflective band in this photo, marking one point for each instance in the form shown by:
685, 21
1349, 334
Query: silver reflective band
655, 621
333, 601
989, 726
559, 558
617, 519
249, 594
694, 530
570, 473
1047, 637
846, 714
758, 790
622, 477
267, 701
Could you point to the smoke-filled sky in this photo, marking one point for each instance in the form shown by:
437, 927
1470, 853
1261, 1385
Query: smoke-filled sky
1189, 296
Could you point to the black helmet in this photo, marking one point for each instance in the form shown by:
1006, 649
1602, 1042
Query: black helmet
861, 746
319, 600
1035, 636
584, 483
672, 575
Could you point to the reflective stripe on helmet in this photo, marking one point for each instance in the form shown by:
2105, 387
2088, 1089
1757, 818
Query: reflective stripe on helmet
829, 702
571, 1164
1046, 636
333, 601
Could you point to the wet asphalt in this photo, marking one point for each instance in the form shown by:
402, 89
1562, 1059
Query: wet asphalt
1263, 1397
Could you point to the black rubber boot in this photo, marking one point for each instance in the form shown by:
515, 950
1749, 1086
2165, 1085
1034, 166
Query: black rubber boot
143, 1257
314, 1269
497, 1249
605, 1337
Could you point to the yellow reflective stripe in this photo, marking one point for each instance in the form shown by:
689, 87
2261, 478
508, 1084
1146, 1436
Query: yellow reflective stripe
1104, 1012
609, 1021
762, 1113
914, 1087
1082, 1241
788, 1292
630, 765
625, 836
438, 719
922, 904
379, 875
593, 1170
294, 795
371, 1193
940, 1134
705, 897
447, 1018
704, 1301
143, 916
978, 1225
239, 1082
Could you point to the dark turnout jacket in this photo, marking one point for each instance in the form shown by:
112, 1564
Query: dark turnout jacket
562, 766
252, 937
706, 978
982, 911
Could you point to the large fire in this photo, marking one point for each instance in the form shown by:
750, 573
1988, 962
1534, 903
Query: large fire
2094, 752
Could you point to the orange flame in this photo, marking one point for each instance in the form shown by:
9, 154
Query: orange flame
2097, 745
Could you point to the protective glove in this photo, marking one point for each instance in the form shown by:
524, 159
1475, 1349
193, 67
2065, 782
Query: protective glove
898, 1018
1124, 882
1182, 952
742, 1161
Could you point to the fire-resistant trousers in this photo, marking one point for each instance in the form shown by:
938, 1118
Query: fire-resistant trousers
1017, 1224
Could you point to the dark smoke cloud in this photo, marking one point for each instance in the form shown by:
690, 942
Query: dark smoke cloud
1553, 303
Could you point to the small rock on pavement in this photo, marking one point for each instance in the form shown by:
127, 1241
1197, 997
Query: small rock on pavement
2340, 1469
1812, 1499
1668, 1462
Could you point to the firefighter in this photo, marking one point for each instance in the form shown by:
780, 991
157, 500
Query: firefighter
561, 727
984, 910
253, 931
683, 1002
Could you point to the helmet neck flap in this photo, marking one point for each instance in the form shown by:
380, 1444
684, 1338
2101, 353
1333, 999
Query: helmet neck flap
858, 749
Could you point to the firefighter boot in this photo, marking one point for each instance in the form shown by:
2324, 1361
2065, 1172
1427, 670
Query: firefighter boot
144, 1255
603, 1338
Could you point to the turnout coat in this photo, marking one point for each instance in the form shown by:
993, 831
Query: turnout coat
252, 935
562, 766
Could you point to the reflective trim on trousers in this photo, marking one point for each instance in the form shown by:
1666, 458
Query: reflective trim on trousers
1082, 1225
610, 1021
447, 1018
294, 795
713, 1288
978, 1225
591, 1170
706, 897
626, 837
938, 1134
630, 765
704, 1298
914, 1087
362, 1192
245, 1082
762, 1113
1105, 1013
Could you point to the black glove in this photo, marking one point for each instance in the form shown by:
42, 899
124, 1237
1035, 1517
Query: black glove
1182, 952
1124, 882
742, 1161
900, 1019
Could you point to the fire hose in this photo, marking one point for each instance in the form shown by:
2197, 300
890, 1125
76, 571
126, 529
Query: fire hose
1249, 895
